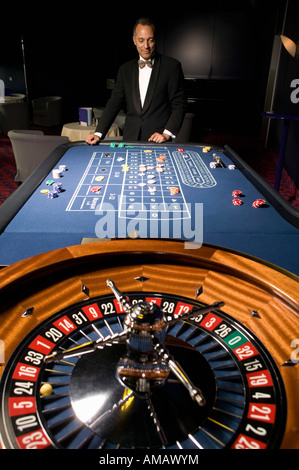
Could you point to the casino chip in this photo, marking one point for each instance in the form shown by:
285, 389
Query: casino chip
236, 193
237, 202
56, 173
174, 190
57, 187
258, 203
95, 189
52, 194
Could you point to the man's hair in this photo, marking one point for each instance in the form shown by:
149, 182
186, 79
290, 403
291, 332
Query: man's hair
144, 22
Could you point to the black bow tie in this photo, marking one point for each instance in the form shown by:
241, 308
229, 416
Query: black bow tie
143, 63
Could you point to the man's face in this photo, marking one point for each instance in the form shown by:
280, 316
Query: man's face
144, 40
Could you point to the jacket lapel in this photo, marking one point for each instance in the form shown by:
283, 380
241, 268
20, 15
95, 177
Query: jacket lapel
135, 87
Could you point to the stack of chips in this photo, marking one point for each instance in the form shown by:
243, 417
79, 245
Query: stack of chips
237, 193
56, 173
52, 194
237, 201
57, 187
259, 203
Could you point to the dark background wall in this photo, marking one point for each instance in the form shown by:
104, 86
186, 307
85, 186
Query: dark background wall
225, 47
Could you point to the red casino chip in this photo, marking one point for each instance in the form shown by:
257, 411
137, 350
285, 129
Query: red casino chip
259, 203
237, 202
95, 189
236, 193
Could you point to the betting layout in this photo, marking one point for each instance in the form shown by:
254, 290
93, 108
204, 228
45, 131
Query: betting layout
144, 179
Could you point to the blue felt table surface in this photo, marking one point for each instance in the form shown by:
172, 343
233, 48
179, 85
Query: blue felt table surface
45, 224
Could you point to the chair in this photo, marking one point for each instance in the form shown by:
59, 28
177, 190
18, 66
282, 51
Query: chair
14, 115
30, 148
47, 111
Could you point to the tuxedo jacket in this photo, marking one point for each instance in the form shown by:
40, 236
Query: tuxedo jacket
163, 106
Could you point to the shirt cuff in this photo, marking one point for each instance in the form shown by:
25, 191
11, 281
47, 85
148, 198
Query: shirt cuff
99, 134
169, 133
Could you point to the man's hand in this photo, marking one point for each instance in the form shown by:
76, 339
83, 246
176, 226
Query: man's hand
92, 139
159, 138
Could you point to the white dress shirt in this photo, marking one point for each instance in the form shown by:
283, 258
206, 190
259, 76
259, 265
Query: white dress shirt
144, 78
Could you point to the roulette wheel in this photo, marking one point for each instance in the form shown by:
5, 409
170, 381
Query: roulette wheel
133, 344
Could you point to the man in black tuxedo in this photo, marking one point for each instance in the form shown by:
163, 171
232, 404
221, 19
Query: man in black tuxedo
152, 93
